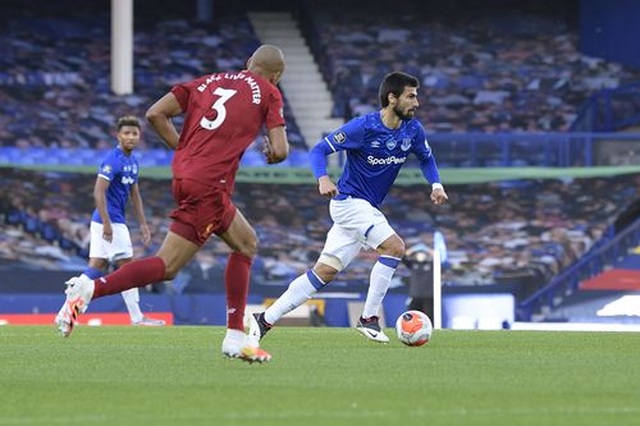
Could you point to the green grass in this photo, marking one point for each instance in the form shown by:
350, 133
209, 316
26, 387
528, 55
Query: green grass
319, 376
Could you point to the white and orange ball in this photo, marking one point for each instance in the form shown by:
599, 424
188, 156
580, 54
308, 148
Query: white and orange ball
414, 328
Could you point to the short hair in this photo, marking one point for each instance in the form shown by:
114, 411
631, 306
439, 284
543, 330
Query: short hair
127, 120
395, 83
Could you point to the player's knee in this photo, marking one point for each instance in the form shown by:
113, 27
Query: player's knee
400, 249
170, 272
327, 268
393, 247
98, 263
249, 247
172, 264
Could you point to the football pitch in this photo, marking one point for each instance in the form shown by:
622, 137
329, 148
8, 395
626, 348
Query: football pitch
318, 376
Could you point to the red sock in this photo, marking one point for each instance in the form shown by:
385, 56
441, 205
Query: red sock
236, 282
133, 274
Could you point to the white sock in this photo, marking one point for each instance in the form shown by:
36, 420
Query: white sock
379, 281
233, 342
300, 290
235, 337
132, 300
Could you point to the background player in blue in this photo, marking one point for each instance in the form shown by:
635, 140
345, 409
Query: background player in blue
376, 146
110, 239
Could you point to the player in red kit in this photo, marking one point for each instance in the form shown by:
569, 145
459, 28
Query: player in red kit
224, 113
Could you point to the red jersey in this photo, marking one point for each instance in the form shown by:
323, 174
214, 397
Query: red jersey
224, 113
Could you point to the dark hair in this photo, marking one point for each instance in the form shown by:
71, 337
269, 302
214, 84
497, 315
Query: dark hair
127, 120
395, 83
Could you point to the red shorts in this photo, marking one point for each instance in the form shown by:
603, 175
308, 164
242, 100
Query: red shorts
202, 210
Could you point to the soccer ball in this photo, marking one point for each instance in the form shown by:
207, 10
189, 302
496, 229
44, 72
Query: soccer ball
414, 328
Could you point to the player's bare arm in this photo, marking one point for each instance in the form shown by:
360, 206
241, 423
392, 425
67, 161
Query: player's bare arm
276, 145
159, 116
100, 198
326, 187
136, 200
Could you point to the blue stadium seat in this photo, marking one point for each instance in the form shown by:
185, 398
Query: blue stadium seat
253, 158
299, 158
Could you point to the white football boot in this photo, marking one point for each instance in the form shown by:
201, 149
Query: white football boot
236, 345
79, 293
370, 328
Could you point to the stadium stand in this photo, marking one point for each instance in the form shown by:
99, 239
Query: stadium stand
517, 232
54, 78
483, 72
485, 67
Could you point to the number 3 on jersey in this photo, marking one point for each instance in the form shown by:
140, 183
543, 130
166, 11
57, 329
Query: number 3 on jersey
218, 106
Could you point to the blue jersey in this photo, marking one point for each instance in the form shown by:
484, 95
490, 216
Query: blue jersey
121, 170
375, 155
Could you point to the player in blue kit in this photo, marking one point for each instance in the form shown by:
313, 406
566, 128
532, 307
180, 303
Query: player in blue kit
376, 145
110, 239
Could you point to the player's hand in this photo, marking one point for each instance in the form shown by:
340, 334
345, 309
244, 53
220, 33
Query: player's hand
146, 234
267, 150
107, 232
326, 187
438, 196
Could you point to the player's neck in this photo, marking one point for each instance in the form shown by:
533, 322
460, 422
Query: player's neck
126, 152
389, 118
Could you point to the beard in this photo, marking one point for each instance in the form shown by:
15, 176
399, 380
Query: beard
404, 115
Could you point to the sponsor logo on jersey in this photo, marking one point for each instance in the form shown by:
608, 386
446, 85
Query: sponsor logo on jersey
385, 161
391, 143
106, 169
406, 144
375, 144
340, 137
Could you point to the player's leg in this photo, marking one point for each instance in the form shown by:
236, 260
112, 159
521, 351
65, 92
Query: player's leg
131, 299
301, 289
382, 272
120, 252
188, 232
390, 247
240, 236
98, 253
96, 268
174, 253
305, 286
343, 243
341, 247
132, 302
185, 238
243, 241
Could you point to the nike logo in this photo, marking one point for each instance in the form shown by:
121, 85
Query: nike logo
370, 332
